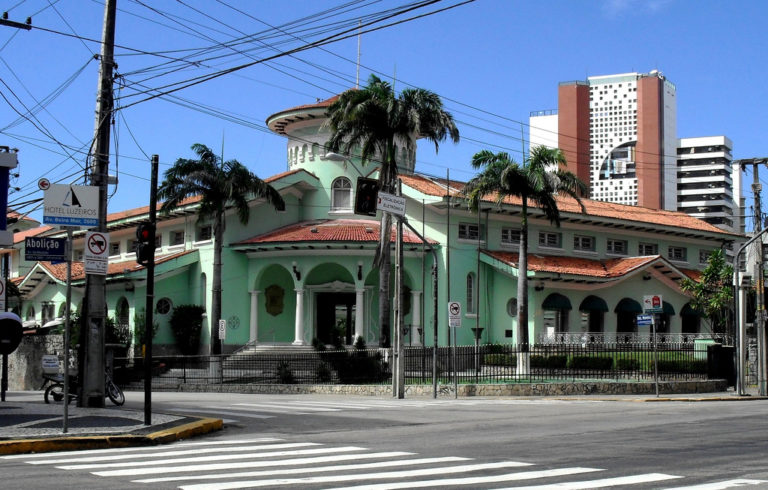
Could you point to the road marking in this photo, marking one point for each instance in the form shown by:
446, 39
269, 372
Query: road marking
602, 483
318, 469
300, 452
141, 449
363, 476
238, 413
178, 452
722, 484
283, 408
252, 464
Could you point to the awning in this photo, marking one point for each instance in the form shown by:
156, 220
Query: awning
593, 303
688, 310
628, 305
556, 301
667, 308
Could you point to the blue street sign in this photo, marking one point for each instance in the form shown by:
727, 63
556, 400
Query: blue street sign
644, 320
44, 248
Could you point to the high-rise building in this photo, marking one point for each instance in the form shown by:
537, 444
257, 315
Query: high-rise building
619, 135
708, 187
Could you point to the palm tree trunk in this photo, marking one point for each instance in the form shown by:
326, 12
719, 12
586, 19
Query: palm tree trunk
523, 353
218, 232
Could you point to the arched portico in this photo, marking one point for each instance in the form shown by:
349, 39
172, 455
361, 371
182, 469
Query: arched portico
334, 305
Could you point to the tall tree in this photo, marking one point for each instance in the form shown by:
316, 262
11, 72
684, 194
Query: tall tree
371, 122
219, 185
537, 182
712, 294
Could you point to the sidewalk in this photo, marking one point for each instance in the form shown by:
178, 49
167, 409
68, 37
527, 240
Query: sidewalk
34, 426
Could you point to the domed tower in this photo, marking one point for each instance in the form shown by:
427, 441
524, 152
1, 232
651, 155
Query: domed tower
307, 136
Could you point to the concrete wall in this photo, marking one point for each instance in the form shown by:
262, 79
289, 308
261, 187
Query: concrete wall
25, 364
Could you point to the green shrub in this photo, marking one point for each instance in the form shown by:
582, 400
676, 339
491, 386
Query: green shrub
139, 327
187, 324
682, 366
284, 373
498, 360
627, 365
494, 348
356, 366
549, 362
323, 373
591, 363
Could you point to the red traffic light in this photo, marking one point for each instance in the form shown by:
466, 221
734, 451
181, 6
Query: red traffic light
145, 232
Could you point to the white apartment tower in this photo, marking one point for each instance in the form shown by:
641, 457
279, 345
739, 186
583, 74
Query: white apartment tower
618, 134
708, 187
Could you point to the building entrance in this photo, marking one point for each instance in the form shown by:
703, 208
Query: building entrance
335, 316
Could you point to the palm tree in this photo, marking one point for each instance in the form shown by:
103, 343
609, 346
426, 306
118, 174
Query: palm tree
219, 185
537, 182
370, 122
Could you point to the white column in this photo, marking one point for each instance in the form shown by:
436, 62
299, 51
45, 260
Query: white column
415, 317
359, 314
254, 323
298, 332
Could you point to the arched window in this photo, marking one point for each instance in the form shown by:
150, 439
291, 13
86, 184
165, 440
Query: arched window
122, 313
471, 303
556, 308
341, 194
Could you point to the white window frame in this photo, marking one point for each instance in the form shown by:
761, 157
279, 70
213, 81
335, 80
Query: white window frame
112, 246
471, 294
341, 185
510, 237
672, 254
471, 232
610, 246
583, 243
704, 256
654, 248
199, 233
550, 239
176, 238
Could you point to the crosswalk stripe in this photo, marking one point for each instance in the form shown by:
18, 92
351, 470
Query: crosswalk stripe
602, 483
259, 409
287, 407
340, 405
238, 413
251, 464
475, 480
354, 477
317, 469
722, 484
140, 449
203, 459
178, 452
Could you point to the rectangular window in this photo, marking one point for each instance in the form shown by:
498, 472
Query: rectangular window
550, 239
133, 245
204, 233
510, 236
114, 248
616, 247
648, 249
508, 333
470, 231
158, 241
177, 238
584, 243
677, 253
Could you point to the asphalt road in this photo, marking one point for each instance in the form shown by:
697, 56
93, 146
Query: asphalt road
345, 441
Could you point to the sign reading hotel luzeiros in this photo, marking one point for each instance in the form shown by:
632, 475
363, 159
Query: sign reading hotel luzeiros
71, 205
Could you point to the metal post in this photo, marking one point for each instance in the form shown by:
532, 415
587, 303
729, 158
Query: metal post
655, 354
67, 328
93, 365
150, 300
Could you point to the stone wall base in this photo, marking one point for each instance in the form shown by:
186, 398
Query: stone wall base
527, 389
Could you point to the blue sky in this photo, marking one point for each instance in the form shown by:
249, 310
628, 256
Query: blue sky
493, 61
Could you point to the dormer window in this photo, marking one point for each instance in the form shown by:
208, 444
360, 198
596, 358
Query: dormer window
341, 194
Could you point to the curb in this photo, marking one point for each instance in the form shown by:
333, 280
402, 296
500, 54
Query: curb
65, 443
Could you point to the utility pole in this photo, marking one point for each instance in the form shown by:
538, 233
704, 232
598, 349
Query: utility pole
96, 309
760, 312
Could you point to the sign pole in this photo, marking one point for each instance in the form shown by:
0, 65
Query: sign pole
67, 326
655, 355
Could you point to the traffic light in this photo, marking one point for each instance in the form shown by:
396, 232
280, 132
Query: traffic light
145, 245
366, 196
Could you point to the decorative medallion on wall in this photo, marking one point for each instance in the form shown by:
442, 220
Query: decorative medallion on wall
274, 299
233, 322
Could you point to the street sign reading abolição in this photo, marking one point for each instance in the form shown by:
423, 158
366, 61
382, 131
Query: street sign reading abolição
45, 248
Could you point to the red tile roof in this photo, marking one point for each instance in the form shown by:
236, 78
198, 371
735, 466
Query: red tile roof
437, 188
336, 230
21, 235
59, 270
604, 269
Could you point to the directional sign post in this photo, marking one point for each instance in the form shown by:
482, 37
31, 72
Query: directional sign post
644, 320
653, 303
391, 203
96, 253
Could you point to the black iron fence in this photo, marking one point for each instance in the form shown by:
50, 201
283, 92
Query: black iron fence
465, 364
